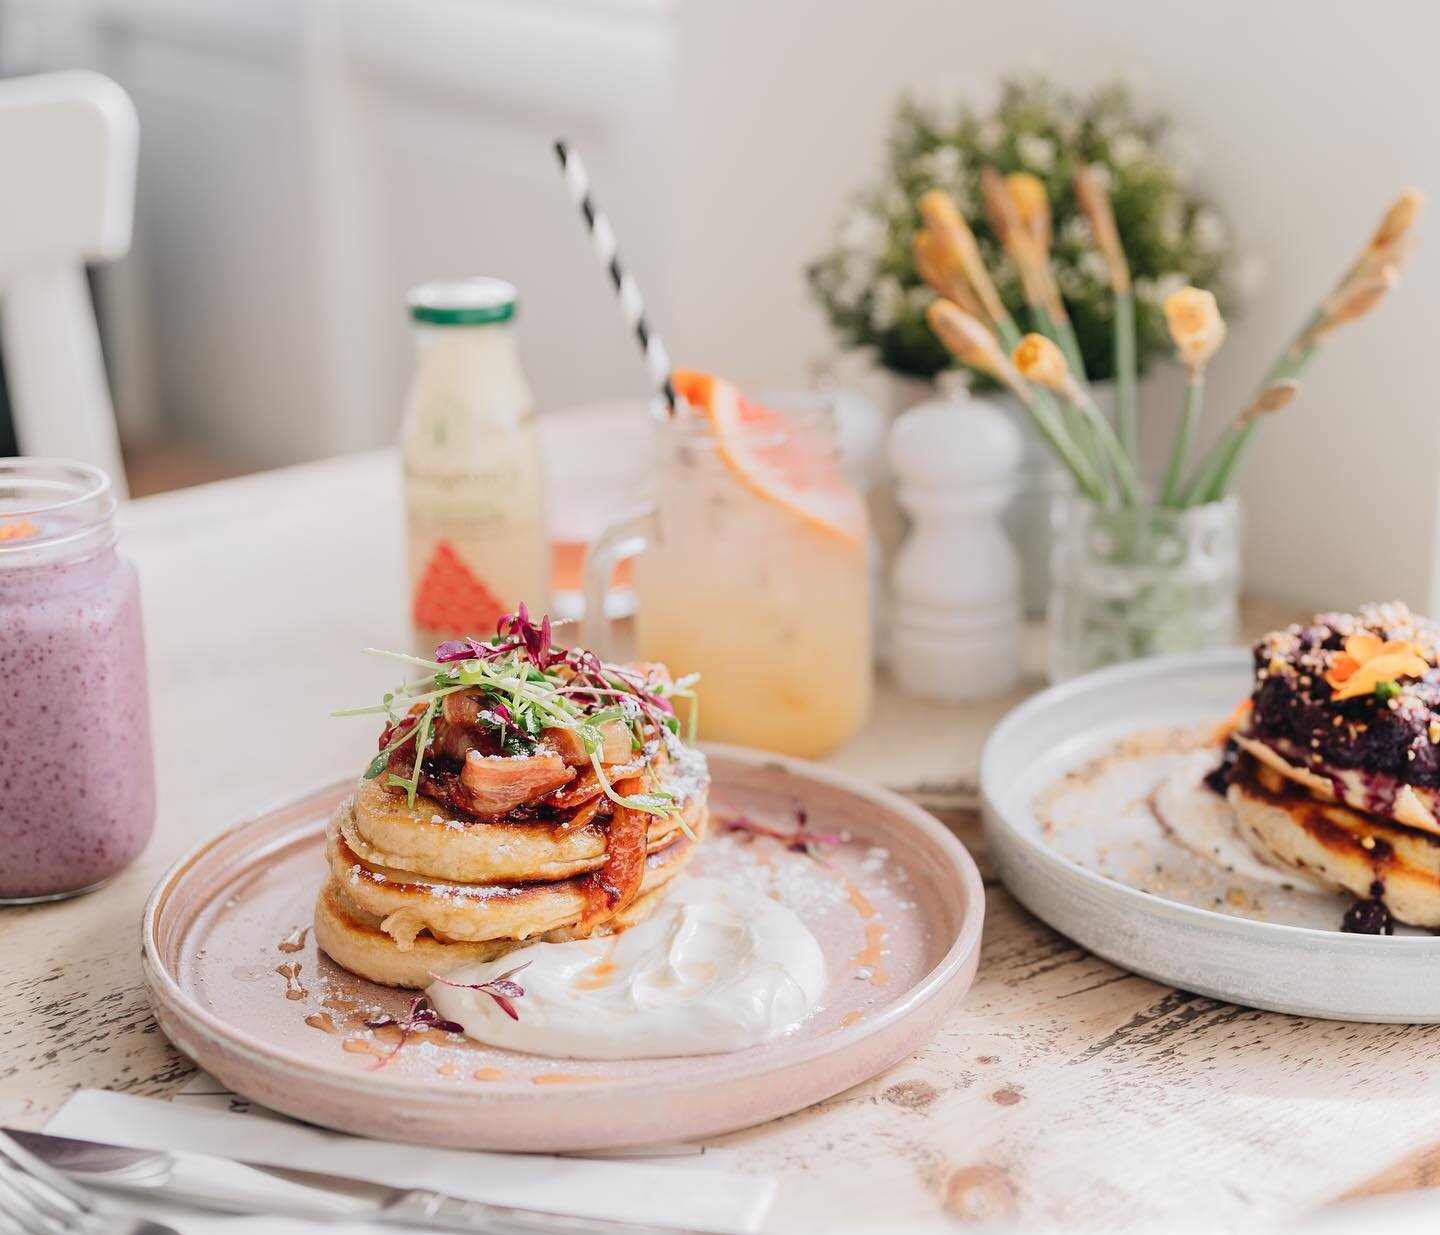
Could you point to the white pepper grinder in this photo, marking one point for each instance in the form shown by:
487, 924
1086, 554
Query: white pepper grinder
955, 624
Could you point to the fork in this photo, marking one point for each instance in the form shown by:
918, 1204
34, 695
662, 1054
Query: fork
37, 1200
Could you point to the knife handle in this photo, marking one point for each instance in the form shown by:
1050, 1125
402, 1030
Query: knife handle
449, 1213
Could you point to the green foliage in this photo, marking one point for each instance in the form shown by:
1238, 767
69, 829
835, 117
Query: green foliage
867, 283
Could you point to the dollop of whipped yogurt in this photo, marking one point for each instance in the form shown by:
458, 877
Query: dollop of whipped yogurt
717, 967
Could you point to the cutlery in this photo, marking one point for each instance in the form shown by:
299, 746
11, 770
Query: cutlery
36, 1200
235, 1187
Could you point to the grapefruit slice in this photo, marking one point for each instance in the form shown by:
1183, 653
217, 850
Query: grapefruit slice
792, 468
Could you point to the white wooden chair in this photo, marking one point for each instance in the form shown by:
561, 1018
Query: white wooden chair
68, 145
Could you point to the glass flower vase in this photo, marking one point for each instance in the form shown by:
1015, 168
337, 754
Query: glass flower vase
1127, 583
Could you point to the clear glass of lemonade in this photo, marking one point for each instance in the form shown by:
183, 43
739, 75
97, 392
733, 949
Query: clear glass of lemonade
752, 572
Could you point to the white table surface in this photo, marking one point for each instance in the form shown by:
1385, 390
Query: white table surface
1062, 1091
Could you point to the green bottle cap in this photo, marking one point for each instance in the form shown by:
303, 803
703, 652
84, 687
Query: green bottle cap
463, 302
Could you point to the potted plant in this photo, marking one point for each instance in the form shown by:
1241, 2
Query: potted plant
875, 297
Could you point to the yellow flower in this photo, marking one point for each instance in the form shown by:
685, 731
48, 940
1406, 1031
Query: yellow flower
1367, 660
1273, 398
1372, 274
942, 218
1041, 362
967, 337
1095, 205
1362, 296
1027, 191
938, 209
1399, 219
937, 263
1196, 326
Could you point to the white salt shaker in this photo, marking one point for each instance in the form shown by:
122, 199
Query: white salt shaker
955, 624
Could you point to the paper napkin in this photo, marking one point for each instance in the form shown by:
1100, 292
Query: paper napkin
666, 1192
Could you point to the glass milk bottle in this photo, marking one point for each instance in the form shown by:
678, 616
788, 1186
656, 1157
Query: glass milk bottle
755, 585
474, 484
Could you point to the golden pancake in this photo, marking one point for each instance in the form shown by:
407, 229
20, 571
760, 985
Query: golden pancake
354, 940
408, 903
1346, 848
1410, 805
426, 840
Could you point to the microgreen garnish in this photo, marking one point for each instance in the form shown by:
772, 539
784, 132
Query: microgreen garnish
527, 685
502, 990
801, 840
459, 649
1386, 690
419, 1018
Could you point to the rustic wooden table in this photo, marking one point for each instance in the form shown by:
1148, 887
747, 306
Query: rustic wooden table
1063, 1091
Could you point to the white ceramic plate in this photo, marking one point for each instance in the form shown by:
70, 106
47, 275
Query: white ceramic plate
1110, 877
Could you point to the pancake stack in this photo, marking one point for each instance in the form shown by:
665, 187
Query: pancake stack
1337, 773
517, 824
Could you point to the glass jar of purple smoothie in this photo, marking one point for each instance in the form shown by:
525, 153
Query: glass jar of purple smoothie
77, 776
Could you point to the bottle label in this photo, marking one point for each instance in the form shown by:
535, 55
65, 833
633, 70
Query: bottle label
450, 598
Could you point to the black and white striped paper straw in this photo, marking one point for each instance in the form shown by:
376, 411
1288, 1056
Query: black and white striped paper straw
632, 303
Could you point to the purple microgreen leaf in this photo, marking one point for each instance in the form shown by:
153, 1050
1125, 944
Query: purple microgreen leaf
459, 649
504, 1005
501, 989
801, 840
418, 1019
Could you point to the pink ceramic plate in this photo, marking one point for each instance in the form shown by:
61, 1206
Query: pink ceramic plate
238, 985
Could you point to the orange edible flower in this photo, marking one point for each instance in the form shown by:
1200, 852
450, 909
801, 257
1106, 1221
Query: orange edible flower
1227, 727
1368, 660
18, 529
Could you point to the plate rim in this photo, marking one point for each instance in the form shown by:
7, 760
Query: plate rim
1149, 904
165, 991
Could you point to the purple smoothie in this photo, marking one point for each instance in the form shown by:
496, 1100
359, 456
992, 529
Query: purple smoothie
77, 782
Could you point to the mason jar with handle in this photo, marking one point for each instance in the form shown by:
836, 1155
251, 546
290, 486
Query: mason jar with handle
751, 570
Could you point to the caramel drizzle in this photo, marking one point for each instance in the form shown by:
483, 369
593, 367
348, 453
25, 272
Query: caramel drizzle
293, 987
857, 898
872, 957
294, 941
597, 975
